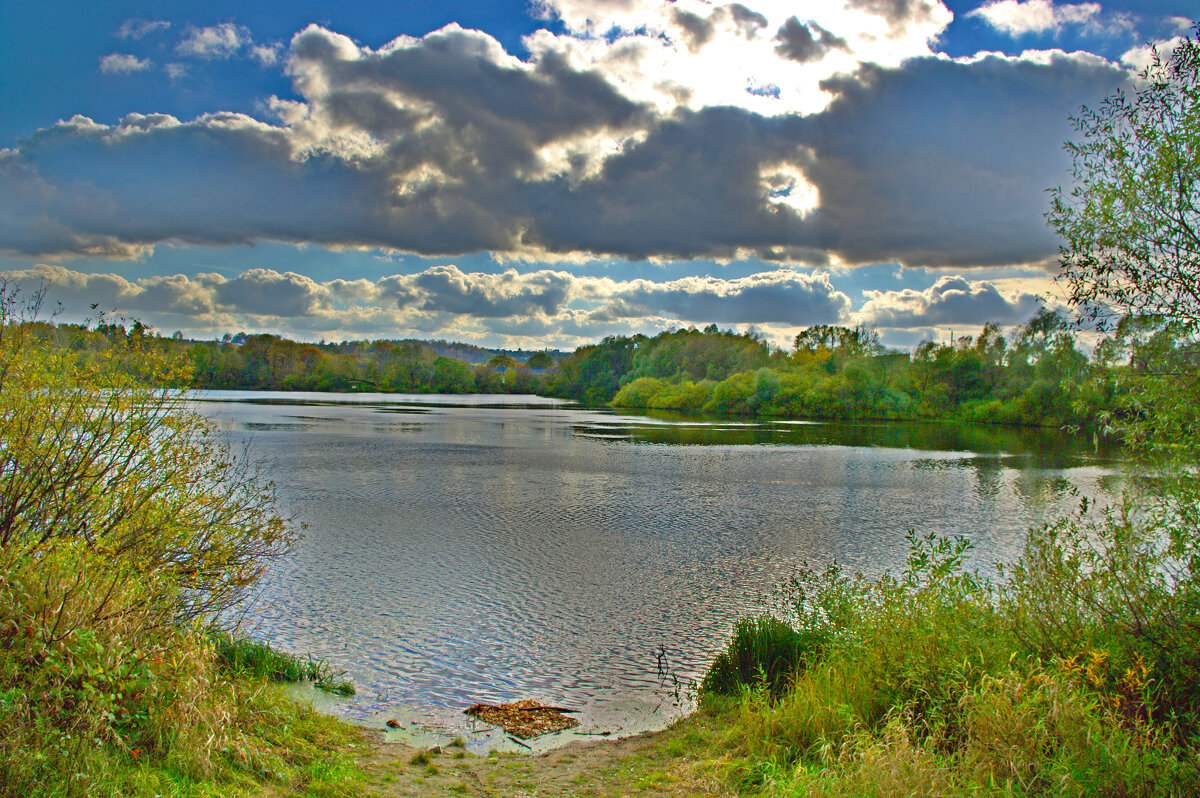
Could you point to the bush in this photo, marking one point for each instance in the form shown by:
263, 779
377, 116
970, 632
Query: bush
1119, 581
639, 393
126, 526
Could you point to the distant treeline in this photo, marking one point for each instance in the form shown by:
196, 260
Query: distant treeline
1036, 375
272, 363
268, 362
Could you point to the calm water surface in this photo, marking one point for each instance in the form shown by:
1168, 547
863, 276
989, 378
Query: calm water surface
483, 548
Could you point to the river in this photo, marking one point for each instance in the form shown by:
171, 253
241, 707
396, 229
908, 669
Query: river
461, 549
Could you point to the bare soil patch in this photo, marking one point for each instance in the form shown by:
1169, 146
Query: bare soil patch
666, 763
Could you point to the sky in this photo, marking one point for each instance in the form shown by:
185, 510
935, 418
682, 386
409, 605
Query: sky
545, 173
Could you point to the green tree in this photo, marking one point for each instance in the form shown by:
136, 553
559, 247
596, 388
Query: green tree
1130, 225
1124, 580
102, 462
1130, 229
452, 376
502, 361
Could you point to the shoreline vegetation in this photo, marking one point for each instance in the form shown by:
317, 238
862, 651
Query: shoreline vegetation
127, 527
1035, 375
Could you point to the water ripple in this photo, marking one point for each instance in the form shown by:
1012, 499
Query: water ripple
492, 552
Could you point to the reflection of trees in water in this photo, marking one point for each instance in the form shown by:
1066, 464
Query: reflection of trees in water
1041, 490
989, 476
1020, 447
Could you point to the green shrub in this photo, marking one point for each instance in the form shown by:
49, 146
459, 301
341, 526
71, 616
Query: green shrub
639, 392
126, 526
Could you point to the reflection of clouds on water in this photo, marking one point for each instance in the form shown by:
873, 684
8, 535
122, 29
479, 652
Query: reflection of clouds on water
276, 426
475, 552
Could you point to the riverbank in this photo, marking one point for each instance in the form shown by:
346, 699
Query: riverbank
677, 761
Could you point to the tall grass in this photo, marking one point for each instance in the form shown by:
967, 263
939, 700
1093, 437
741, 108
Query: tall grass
937, 681
249, 657
764, 653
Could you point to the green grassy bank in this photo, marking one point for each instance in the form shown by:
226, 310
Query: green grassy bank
1074, 673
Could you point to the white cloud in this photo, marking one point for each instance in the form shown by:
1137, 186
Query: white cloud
445, 301
217, 41
123, 64
1023, 17
698, 54
951, 301
1140, 58
140, 28
265, 54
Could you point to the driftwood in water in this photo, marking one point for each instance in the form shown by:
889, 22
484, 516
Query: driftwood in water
525, 719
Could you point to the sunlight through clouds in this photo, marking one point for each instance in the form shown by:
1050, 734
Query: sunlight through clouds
596, 140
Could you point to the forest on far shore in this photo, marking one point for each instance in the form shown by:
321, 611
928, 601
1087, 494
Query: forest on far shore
1035, 374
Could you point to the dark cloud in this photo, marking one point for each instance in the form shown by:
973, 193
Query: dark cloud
804, 43
465, 108
697, 30
223, 179
747, 21
692, 189
945, 163
898, 13
783, 297
447, 145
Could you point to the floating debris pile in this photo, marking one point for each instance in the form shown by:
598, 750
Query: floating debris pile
525, 718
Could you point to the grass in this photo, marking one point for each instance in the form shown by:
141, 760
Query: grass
926, 683
208, 731
248, 656
764, 652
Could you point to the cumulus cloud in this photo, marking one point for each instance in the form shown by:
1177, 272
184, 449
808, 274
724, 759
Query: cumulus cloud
135, 28
1022, 17
951, 301
217, 41
123, 64
447, 144
441, 300
446, 289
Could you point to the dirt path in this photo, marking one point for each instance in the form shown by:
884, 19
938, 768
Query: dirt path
665, 763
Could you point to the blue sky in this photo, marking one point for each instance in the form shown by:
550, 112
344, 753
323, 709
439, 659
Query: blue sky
547, 173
